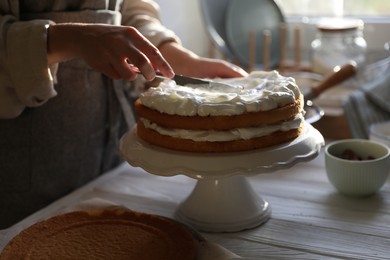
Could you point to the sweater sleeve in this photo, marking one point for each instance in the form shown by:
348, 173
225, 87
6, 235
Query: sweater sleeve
26, 79
144, 15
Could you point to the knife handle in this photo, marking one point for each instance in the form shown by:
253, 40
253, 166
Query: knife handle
340, 75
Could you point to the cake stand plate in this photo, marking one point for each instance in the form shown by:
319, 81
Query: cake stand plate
223, 199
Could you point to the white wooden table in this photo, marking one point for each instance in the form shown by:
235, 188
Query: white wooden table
309, 220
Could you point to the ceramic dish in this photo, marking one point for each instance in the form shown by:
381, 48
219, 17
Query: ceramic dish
244, 17
357, 167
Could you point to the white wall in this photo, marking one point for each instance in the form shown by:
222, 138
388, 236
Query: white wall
184, 17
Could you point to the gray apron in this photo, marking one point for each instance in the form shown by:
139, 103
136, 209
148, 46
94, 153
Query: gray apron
51, 150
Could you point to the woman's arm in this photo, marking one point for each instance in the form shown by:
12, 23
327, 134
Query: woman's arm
25, 77
144, 15
185, 62
30, 51
111, 50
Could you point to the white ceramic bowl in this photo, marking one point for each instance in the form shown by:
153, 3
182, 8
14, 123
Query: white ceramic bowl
358, 178
380, 132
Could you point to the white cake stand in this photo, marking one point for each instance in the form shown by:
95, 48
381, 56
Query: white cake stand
223, 199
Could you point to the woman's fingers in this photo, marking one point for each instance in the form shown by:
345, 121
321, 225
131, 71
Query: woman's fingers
144, 55
117, 50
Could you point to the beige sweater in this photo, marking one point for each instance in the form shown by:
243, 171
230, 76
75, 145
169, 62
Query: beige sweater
26, 80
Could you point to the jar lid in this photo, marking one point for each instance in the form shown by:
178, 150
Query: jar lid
339, 24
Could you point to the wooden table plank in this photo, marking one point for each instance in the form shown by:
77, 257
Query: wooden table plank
310, 220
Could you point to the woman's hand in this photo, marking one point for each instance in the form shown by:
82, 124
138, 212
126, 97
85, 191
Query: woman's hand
187, 63
119, 52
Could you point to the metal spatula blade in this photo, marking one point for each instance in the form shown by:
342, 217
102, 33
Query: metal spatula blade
184, 80
180, 79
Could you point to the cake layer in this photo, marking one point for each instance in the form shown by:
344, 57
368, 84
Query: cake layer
248, 119
226, 115
108, 234
188, 145
259, 91
224, 135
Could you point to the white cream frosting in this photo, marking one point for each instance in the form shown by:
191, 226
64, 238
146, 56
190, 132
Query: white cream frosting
224, 136
260, 91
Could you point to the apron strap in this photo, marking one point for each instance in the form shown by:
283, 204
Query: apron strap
123, 101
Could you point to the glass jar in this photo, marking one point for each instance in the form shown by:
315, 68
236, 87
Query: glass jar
338, 42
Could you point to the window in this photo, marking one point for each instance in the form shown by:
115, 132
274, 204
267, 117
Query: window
374, 13
358, 8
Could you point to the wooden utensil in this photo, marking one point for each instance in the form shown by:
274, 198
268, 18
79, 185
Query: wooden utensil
333, 79
267, 39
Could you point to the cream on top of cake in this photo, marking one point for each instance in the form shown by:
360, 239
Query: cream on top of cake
259, 91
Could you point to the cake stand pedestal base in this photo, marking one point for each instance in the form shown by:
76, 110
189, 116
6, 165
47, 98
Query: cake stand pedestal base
223, 205
222, 200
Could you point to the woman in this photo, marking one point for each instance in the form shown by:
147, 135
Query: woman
62, 66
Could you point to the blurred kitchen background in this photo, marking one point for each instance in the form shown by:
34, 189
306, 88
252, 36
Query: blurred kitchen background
290, 45
185, 18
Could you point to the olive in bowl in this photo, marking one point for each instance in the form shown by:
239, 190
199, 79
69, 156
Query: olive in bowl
357, 167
